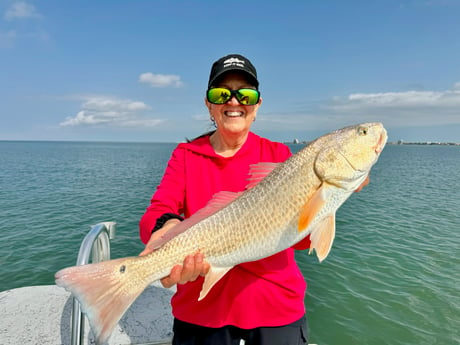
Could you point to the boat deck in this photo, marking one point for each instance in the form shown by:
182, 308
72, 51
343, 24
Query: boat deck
41, 315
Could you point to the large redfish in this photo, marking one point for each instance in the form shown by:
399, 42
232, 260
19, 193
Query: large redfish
283, 204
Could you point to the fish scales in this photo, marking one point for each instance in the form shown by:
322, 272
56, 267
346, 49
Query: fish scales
298, 197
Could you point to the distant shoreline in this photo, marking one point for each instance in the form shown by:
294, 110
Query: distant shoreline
294, 142
400, 142
430, 143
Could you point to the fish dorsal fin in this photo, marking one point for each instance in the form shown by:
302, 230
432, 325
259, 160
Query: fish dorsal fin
217, 202
323, 236
311, 208
257, 172
211, 278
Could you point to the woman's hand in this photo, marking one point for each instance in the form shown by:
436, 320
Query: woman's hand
190, 270
157, 234
193, 267
364, 184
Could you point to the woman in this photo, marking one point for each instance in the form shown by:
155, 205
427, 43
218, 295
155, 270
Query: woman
261, 302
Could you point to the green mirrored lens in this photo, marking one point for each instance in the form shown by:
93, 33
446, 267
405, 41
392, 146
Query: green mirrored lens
219, 95
247, 96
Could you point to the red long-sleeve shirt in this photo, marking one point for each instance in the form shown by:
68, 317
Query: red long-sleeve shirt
267, 292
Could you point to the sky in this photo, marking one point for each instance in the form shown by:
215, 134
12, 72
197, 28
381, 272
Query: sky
138, 70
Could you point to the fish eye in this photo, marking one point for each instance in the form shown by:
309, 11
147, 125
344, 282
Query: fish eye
362, 130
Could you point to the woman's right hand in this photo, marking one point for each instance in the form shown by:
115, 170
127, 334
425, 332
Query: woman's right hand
192, 267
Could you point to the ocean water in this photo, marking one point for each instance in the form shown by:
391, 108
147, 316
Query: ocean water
393, 275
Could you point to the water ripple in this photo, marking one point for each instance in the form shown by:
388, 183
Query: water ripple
392, 276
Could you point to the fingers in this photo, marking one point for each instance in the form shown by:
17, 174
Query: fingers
157, 234
147, 249
192, 267
205, 269
145, 252
173, 278
364, 184
189, 269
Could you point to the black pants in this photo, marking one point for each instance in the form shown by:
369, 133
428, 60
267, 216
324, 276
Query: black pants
189, 334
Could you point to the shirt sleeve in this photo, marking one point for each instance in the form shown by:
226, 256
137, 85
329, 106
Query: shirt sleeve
169, 196
283, 152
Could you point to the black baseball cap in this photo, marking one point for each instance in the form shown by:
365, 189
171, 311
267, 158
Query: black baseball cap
233, 62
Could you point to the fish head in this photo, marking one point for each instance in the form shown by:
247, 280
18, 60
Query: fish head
346, 156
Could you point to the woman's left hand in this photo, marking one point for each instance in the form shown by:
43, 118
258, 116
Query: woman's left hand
193, 267
364, 184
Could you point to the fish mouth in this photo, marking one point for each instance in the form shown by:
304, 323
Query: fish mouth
378, 148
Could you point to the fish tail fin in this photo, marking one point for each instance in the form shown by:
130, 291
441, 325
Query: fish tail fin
105, 291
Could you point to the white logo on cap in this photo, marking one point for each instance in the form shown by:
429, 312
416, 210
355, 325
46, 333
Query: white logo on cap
234, 62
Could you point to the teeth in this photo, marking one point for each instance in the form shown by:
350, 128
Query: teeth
233, 113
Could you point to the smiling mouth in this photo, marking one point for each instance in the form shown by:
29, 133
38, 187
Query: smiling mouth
233, 113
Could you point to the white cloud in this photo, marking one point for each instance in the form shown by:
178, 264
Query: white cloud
407, 99
408, 108
160, 80
18, 17
110, 111
394, 109
21, 10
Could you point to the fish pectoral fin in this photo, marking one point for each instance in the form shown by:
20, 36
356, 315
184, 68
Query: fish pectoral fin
311, 208
323, 236
211, 278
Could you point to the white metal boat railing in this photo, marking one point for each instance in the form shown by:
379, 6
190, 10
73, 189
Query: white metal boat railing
95, 246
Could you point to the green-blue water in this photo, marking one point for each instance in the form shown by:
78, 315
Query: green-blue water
393, 276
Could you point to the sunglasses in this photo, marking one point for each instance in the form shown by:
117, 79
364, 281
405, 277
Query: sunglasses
221, 95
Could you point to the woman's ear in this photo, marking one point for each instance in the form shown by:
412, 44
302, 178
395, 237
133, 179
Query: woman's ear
207, 104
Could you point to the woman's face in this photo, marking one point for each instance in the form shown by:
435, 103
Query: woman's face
233, 117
